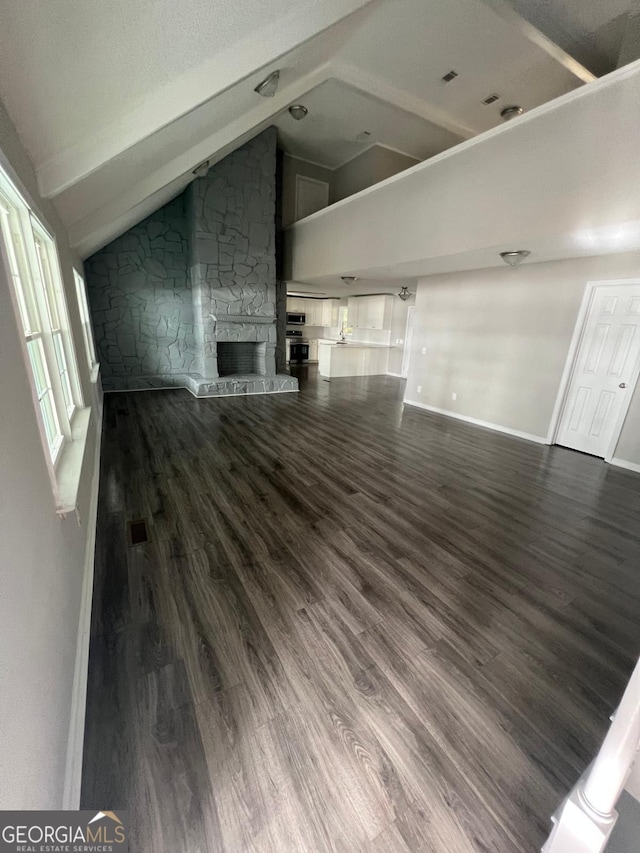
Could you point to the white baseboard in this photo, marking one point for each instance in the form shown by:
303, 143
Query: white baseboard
399, 375
75, 743
486, 424
622, 463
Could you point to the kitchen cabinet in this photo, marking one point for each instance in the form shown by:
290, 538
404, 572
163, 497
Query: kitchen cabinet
370, 312
313, 350
318, 312
352, 359
330, 312
314, 312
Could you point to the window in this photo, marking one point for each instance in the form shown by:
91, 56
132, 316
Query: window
32, 261
87, 330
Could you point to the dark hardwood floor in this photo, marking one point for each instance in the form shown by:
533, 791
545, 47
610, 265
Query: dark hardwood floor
354, 627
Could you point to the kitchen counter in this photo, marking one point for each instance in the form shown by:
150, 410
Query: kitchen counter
352, 344
351, 359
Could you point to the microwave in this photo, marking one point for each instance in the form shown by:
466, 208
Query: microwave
295, 319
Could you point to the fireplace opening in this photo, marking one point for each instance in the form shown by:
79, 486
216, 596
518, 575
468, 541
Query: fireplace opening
241, 358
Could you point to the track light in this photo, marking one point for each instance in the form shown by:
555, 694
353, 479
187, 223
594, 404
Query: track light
269, 85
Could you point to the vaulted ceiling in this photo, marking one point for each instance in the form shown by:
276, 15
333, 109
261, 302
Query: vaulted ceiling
117, 102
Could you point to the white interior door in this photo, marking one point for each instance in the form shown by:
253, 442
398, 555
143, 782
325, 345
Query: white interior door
311, 195
407, 341
605, 369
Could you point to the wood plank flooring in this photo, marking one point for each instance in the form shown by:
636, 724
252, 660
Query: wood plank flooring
354, 627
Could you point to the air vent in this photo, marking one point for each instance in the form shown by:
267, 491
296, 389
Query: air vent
451, 75
491, 99
138, 532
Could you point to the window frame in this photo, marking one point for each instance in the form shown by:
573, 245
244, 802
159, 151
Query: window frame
54, 303
87, 328
29, 255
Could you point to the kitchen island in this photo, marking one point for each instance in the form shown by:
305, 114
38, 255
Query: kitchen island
351, 359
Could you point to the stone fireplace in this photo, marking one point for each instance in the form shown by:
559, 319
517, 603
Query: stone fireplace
233, 272
188, 297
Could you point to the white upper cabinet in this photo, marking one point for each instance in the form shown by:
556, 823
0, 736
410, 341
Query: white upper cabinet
318, 312
353, 312
370, 312
329, 312
315, 317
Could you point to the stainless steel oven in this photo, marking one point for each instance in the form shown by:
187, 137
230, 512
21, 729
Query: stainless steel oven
295, 319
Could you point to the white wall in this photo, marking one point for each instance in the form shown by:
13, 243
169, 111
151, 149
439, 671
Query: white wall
42, 557
499, 339
373, 165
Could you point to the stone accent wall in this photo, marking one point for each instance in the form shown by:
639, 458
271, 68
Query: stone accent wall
199, 272
233, 259
140, 297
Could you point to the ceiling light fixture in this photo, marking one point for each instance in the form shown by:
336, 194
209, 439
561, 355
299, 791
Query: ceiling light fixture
201, 169
349, 279
269, 85
405, 293
298, 111
511, 112
513, 258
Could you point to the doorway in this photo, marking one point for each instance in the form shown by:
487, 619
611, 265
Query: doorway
602, 369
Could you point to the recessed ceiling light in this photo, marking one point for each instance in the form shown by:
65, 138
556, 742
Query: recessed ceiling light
449, 76
491, 99
363, 136
349, 279
298, 111
511, 112
513, 258
269, 85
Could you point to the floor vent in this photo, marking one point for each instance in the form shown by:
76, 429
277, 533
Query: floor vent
138, 532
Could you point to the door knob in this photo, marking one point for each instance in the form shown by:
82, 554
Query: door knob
622, 385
